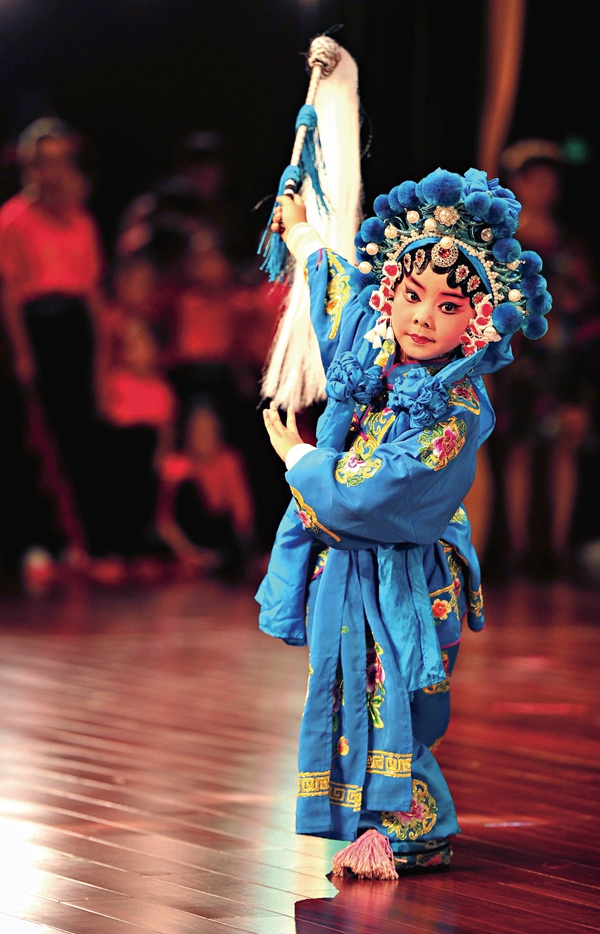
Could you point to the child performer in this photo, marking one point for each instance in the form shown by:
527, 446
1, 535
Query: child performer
373, 564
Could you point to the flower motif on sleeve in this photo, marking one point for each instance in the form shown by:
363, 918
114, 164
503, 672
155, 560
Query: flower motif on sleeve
351, 470
308, 516
442, 443
464, 395
423, 396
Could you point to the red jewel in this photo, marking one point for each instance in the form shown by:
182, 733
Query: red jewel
375, 300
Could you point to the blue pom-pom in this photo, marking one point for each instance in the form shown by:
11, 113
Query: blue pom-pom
382, 207
442, 187
533, 285
359, 280
506, 229
496, 211
507, 318
477, 203
531, 263
394, 200
407, 195
540, 304
359, 243
535, 326
372, 230
507, 250
365, 295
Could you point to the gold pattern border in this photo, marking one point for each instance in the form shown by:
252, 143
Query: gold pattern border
346, 796
313, 784
390, 764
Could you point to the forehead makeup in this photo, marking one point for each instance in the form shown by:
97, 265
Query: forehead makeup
451, 293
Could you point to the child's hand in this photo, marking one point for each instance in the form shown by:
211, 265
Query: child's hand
288, 212
282, 437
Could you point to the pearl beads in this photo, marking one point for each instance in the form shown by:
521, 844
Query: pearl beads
514, 295
364, 267
372, 248
486, 234
430, 225
390, 232
513, 265
413, 217
446, 243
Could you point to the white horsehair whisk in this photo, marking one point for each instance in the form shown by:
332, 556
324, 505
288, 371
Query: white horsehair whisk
325, 170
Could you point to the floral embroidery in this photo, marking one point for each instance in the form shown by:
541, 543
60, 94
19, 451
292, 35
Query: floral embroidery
358, 464
476, 602
421, 395
320, 563
459, 517
343, 746
441, 609
308, 516
419, 820
464, 395
338, 292
375, 688
442, 443
351, 470
442, 686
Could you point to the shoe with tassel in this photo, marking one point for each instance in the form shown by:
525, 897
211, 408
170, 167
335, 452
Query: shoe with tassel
369, 857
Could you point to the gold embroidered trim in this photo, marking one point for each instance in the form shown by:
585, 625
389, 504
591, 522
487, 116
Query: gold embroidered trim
346, 796
390, 764
338, 292
313, 784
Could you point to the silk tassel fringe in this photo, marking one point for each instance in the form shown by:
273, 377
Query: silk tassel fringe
369, 857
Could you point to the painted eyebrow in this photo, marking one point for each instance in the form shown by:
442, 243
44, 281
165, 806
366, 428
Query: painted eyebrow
456, 294
414, 282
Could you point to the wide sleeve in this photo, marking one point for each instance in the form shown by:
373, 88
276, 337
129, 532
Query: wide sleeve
403, 491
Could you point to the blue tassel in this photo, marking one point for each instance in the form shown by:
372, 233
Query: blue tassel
311, 159
277, 262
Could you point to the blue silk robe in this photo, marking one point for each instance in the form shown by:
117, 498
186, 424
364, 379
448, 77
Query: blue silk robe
373, 567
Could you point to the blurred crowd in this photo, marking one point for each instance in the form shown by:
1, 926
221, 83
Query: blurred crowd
133, 446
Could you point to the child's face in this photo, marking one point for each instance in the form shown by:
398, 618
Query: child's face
428, 316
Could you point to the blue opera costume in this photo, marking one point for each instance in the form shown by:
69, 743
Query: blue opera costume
373, 565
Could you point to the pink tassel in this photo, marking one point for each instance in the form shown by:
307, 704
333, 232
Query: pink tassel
369, 857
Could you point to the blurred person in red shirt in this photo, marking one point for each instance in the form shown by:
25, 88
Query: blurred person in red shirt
51, 265
139, 409
205, 511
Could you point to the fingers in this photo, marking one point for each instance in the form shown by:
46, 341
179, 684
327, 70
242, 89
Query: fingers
291, 421
274, 424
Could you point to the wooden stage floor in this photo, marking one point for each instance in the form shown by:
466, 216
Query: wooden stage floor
148, 773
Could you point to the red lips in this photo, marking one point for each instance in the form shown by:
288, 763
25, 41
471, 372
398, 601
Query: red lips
419, 340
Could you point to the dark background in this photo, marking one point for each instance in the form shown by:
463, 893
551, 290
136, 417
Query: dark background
134, 75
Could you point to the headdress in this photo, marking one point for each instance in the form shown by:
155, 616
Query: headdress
470, 217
